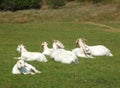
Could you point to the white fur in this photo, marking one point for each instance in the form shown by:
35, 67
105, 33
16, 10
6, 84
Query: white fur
31, 56
46, 51
79, 53
57, 45
22, 67
98, 50
62, 55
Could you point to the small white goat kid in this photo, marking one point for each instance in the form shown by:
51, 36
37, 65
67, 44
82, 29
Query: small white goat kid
21, 67
30, 56
89, 51
61, 55
46, 51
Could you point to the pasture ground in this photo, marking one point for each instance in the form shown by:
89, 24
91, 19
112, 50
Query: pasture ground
101, 72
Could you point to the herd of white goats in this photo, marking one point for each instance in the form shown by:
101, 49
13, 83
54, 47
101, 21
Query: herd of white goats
58, 53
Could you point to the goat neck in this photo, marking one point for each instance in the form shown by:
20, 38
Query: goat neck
45, 47
83, 46
23, 50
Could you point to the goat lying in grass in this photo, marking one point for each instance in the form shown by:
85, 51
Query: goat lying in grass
89, 51
30, 56
21, 67
61, 55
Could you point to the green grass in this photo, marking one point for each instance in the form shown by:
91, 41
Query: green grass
101, 72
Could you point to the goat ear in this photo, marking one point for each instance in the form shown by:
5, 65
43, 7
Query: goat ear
41, 46
60, 46
77, 40
76, 43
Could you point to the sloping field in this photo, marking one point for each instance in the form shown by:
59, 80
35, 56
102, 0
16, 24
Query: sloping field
101, 72
71, 12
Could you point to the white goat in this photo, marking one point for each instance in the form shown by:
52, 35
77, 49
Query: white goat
89, 51
46, 51
30, 56
21, 67
62, 55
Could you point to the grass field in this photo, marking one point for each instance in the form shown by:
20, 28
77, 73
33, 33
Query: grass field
101, 72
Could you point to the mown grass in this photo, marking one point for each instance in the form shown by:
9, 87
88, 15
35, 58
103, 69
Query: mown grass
101, 72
